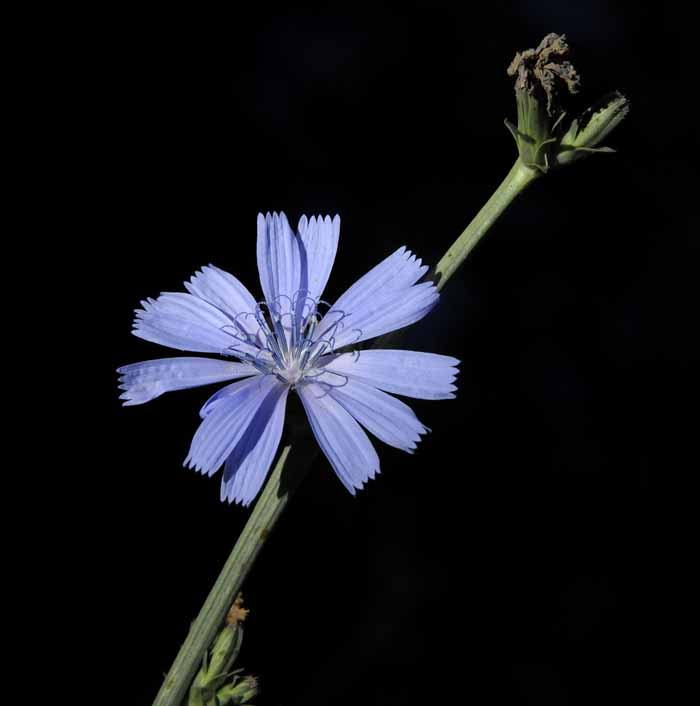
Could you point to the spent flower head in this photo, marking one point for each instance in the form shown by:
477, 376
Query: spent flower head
544, 79
293, 340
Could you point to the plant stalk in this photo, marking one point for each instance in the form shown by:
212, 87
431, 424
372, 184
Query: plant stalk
517, 179
206, 626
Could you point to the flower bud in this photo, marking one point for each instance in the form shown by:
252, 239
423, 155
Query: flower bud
592, 128
241, 692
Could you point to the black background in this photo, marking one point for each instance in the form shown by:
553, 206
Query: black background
516, 557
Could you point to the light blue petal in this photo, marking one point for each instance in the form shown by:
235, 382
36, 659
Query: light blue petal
219, 395
149, 379
389, 419
427, 376
320, 245
340, 437
248, 464
279, 260
188, 323
226, 293
226, 422
383, 300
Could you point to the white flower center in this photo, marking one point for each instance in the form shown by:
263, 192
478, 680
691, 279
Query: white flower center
292, 374
285, 345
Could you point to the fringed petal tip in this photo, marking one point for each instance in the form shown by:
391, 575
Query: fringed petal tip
226, 495
198, 467
309, 222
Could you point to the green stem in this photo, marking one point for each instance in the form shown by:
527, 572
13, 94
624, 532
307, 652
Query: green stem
515, 182
279, 487
204, 629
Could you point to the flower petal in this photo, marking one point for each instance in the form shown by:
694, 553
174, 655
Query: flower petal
427, 376
248, 464
340, 437
385, 299
389, 419
279, 260
225, 292
226, 422
320, 245
149, 379
188, 323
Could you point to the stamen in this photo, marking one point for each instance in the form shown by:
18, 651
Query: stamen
275, 318
272, 341
283, 344
326, 385
300, 318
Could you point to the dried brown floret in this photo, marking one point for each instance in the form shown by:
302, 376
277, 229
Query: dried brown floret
546, 70
237, 613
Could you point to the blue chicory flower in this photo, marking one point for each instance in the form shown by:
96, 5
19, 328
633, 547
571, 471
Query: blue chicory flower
285, 343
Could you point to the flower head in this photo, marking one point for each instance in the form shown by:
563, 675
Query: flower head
293, 340
544, 79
